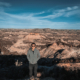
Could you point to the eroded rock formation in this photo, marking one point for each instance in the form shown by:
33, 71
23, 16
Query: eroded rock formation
59, 50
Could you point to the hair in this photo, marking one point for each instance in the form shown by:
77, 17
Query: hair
33, 43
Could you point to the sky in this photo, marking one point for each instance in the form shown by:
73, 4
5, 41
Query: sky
31, 14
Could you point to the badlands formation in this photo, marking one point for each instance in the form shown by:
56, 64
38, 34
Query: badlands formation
59, 50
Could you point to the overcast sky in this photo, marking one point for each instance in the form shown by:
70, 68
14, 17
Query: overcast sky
30, 14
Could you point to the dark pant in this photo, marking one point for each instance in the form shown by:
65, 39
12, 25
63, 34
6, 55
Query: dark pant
31, 68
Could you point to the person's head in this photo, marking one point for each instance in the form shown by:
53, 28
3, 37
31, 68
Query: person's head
33, 45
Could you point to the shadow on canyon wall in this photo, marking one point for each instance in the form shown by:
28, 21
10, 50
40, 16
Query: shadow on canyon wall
16, 67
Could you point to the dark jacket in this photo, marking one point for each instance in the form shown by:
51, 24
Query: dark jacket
33, 57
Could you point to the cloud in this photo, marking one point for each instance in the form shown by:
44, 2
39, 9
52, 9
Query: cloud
5, 4
74, 11
71, 13
26, 20
39, 13
75, 7
29, 21
53, 15
72, 8
66, 12
69, 8
49, 10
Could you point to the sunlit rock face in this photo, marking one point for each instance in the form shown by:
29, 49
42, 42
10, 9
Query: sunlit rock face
57, 48
48, 41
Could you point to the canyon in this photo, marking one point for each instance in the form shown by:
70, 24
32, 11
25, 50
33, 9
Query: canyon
59, 50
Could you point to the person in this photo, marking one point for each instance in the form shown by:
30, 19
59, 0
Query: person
33, 56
